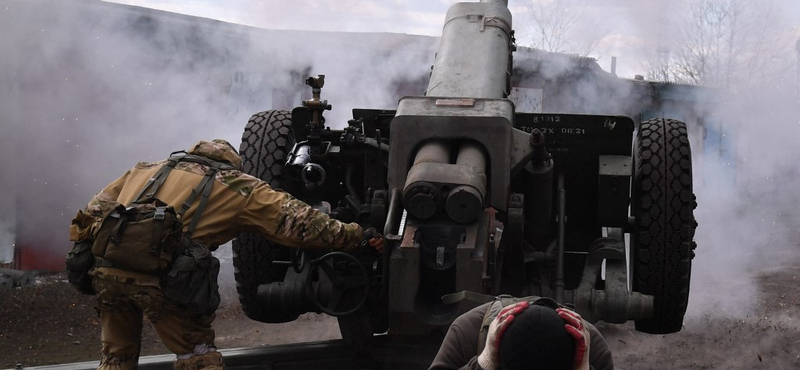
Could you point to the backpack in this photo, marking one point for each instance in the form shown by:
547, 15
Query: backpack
147, 237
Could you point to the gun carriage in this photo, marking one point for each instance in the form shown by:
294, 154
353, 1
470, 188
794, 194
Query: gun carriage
475, 200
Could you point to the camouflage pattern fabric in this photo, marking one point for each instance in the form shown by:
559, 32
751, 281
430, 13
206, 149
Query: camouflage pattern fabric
238, 203
218, 150
304, 222
122, 308
242, 203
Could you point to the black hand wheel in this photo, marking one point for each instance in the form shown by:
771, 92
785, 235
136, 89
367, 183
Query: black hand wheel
343, 289
298, 259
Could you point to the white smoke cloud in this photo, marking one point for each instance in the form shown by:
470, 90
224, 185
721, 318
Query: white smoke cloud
747, 214
90, 88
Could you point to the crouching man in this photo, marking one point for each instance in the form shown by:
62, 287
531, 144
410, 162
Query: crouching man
143, 244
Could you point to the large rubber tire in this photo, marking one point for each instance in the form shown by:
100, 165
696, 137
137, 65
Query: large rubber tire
266, 141
663, 205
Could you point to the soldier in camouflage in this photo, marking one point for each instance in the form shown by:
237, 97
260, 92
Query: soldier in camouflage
238, 203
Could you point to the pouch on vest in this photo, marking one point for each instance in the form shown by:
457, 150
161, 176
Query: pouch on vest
192, 280
146, 235
79, 261
142, 237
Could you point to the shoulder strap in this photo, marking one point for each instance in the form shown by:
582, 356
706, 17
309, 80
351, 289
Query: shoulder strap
158, 179
488, 316
203, 187
467, 295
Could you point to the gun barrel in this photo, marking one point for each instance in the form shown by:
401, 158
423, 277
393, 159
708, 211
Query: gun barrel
475, 52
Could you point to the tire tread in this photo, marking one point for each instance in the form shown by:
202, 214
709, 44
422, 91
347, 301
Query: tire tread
663, 204
266, 142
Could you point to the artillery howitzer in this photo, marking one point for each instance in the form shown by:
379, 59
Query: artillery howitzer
475, 200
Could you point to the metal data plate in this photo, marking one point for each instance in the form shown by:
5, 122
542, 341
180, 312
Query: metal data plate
575, 139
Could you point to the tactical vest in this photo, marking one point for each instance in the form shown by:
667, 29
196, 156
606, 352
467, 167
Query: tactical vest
146, 236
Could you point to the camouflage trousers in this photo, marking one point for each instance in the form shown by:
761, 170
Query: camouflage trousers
122, 305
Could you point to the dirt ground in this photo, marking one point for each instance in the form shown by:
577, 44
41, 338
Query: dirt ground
51, 323
768, 337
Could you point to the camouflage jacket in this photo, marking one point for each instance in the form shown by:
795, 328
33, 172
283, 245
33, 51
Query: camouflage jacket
238, 203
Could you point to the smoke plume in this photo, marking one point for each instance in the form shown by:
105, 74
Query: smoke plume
88, 88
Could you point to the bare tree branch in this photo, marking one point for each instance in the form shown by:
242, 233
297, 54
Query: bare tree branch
561, 26
725, 43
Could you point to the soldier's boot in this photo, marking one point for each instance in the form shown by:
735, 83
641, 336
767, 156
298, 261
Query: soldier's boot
111, 362
208, 361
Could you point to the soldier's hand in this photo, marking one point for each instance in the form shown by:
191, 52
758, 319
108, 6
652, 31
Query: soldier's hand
488, 359
576, 327
373, 239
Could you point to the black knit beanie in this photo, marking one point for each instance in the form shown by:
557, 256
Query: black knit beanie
535, 340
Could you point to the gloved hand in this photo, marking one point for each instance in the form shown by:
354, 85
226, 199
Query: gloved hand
489, 358
576, 327
372, 238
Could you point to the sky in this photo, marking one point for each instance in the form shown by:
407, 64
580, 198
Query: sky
625, 28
